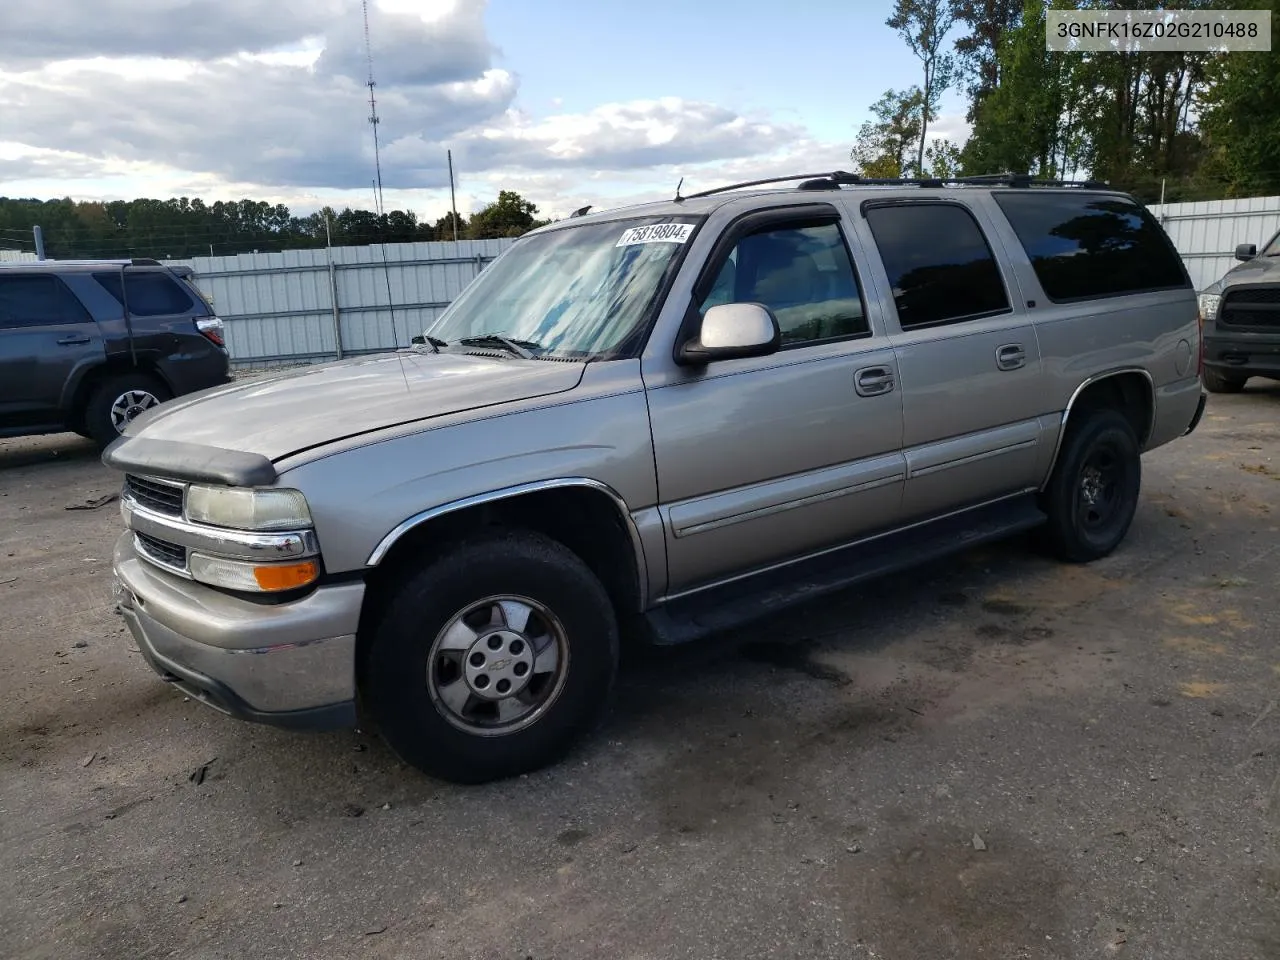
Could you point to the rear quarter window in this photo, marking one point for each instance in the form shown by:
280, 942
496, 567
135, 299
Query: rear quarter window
1086, 246
151, 294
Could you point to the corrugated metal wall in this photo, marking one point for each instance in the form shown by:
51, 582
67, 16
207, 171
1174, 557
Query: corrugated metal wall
279, 307
1206, 233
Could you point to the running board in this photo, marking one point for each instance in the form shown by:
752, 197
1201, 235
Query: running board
721, 608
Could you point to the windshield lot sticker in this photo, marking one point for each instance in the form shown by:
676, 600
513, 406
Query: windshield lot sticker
657, 233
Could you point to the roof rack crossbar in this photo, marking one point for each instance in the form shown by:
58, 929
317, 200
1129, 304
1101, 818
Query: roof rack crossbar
839, 178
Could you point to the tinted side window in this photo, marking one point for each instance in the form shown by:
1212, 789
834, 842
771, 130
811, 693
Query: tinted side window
803, 274
1083, 247
151, 294
35, 301
940, 266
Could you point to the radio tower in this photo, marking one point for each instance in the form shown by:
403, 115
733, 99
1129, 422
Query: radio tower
373, 107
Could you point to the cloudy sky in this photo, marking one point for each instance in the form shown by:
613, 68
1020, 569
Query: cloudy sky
567, 101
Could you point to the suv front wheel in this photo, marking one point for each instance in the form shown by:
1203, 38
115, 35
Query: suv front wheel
492, 660
118, 400
1093, 493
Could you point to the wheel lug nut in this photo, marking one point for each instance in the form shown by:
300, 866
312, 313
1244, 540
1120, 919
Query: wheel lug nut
516, 648
520, 669
482, 681
477, 659
495, 643
504, 686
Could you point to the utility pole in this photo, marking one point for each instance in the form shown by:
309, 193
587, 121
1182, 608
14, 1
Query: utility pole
39, 235
333, 287
453, 199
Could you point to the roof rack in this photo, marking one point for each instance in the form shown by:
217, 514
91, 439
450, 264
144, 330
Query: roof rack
841, 178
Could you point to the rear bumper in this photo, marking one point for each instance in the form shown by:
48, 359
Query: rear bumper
1199, 414
291, 665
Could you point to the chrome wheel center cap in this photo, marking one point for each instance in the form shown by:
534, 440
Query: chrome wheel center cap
498, 665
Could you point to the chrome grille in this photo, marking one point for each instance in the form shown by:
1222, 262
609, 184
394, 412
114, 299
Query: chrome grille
155, 495
162, 551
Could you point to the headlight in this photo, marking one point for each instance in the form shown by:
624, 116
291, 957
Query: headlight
252, 577
242, 508
1209, 305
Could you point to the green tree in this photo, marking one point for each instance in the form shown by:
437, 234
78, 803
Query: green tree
1027, 123
508, 216
924, 25
942, 158
978, 50
885, 143
1241, 116
445, 228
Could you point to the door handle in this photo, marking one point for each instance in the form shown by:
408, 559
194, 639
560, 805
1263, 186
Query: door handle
1011, 356
873, 381
73, 340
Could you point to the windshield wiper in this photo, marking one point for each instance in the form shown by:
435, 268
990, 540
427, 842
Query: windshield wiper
521, 348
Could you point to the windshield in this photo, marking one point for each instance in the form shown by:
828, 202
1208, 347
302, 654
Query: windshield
575, 292
1272, 249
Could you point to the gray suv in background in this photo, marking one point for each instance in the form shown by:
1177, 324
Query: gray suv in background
1242, 320
87, 346
660, 421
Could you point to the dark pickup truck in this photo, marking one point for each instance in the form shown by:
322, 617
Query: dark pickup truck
1241, 315
88, 345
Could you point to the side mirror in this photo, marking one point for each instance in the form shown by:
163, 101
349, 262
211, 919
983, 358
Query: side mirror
732, 331
1246, 251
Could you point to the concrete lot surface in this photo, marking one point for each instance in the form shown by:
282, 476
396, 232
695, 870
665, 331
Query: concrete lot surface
992, 757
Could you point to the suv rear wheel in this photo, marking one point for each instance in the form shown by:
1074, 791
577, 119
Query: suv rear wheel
117, 400
1215, 381
1093, 493
493, 660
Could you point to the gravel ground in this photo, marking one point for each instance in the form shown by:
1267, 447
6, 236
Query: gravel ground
996, 756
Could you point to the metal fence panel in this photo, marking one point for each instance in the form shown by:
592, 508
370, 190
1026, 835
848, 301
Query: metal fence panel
279, 307
1206, 232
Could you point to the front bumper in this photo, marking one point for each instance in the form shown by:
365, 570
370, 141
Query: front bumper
289, 664
1243, 353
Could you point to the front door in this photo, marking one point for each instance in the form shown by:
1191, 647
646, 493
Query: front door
968, 356
767, 459
45, 335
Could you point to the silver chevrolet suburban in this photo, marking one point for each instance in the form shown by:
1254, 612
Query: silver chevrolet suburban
660, 422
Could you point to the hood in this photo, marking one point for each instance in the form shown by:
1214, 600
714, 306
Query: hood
280, 414
1257, 270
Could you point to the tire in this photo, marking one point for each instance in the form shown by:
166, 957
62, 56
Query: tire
1215, 381
423, 668
1093, 493
103, 416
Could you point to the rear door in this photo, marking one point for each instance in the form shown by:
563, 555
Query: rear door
967, 352
46, 336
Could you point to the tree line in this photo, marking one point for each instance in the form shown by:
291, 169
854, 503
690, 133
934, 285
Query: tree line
1205, 125
185, 227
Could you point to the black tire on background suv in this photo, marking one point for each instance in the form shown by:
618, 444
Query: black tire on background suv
117, 400
1215, 381
1093, 493
491, 660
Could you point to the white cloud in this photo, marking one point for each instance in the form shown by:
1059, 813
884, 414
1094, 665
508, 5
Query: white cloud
231, 98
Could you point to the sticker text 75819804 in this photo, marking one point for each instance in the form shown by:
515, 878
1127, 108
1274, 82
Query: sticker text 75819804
656, 233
